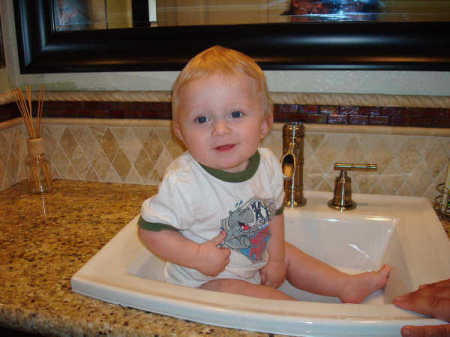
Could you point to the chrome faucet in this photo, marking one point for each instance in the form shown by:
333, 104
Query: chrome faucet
292, 164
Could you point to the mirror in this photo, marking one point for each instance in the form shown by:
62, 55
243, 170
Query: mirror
72, 15
329, 38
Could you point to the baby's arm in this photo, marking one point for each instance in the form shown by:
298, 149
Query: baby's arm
170, 245
274, 272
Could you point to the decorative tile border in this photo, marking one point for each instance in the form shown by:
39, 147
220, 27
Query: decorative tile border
125, 137
363, 115
314, 114
8, 111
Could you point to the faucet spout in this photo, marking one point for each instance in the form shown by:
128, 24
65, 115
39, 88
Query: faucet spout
288, 163
292, 164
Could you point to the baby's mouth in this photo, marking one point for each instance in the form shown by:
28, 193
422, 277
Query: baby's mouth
224, 148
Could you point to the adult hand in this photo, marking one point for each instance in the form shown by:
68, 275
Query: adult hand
430, 299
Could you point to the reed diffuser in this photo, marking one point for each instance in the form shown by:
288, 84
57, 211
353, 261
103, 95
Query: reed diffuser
38, 168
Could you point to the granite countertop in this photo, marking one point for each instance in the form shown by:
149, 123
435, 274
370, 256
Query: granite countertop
45, 240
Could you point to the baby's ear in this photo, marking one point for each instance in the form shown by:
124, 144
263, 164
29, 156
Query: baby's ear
177, 130
266, 125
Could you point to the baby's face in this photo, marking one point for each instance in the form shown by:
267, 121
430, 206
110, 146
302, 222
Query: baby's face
221, 120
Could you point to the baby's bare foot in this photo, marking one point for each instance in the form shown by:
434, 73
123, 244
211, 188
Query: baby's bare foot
359, 286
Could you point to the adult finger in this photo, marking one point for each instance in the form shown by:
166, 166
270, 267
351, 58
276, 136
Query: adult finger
428, 304
438, 284
426, 331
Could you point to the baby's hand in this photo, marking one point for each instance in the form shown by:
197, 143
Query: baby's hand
273, 274
212, 260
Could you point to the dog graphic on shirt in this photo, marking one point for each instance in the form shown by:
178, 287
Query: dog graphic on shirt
247, 228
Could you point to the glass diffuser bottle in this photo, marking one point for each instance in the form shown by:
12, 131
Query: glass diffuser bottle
38, 167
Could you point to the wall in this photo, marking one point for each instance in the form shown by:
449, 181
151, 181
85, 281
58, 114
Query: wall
12, 154
411, 161
4, 81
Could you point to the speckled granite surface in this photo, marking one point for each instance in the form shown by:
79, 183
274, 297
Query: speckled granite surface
446, 224
38, 256
44, 241
445, 219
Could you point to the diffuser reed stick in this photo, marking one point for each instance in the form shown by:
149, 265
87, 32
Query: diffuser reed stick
39, 112
39, 176
25, 103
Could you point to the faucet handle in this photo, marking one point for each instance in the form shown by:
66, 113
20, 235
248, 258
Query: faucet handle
352, 166
342, 198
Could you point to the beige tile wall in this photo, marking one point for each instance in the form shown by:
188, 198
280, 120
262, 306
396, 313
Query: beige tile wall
12, 154
137, 152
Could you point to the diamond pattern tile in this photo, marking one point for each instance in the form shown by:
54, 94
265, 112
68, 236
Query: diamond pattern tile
101, 166
153, 146
143, 164
68, 143
407, 164
378, 152
109, 145
4, 148
12, 166
131, 145
80, 162
353, 151
59, 161
134, 177
329, 151
163, 161
419, 179
121, 164
92, 175
436, 157
2, 173
409, 155
314, 140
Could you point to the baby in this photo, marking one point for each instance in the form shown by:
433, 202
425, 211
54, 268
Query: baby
218, 216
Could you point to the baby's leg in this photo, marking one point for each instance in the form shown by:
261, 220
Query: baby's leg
307, 273
241, 287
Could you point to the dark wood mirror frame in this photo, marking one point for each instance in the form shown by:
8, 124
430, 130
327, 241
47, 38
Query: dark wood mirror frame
299, 46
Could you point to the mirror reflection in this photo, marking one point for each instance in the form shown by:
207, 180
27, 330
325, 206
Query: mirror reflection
72, 15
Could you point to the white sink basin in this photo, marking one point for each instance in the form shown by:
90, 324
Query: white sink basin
349, 241
403, 232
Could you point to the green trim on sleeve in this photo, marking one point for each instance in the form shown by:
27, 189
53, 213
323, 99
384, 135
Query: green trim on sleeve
155, 226
279, 210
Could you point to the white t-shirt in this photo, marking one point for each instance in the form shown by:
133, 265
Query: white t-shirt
200, 202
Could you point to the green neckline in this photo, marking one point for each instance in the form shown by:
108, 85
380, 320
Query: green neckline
236, 177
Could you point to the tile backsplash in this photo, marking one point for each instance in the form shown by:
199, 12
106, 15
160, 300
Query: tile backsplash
137, 152
125, 137
12, 154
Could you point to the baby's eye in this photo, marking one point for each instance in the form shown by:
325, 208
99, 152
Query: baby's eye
201, 119
237, 114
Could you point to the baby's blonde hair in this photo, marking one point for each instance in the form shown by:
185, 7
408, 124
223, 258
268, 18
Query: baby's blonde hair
223, 61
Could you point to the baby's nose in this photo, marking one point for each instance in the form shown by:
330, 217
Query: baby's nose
221, 127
